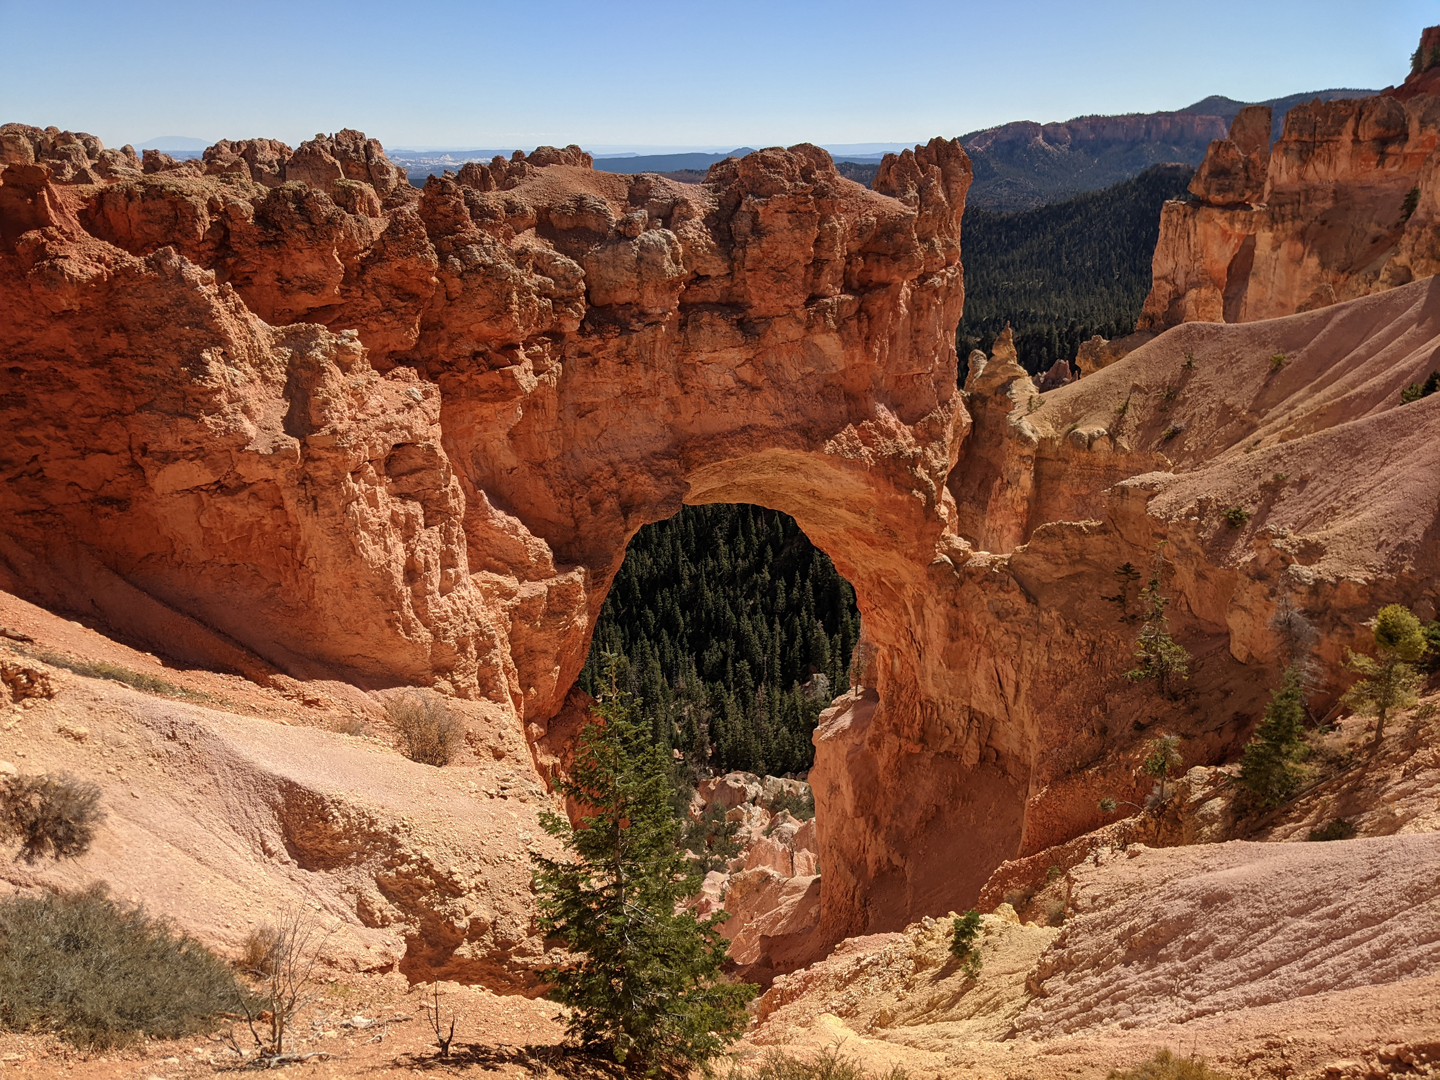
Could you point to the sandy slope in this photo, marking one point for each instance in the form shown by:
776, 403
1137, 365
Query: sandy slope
219, 819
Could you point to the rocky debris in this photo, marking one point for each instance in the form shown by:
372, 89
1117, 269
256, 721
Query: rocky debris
1058, 375
1343, 205
1098, 352
771, 889
888, 986
23, 681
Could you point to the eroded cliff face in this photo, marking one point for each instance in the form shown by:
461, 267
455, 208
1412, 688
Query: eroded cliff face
1320, 217
271, 416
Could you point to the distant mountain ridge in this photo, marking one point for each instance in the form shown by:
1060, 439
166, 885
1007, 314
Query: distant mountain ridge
1023, 164
1018, 166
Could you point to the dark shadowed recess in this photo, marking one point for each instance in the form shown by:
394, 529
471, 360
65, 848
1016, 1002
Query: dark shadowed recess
733, 631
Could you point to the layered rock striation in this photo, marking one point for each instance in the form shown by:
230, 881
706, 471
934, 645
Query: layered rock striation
273, 415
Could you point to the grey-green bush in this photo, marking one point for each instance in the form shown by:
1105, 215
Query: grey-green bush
99, 973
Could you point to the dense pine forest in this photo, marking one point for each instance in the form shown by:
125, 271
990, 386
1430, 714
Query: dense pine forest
733, 631
1062, 273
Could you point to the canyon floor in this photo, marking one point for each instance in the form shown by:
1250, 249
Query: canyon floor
228, 802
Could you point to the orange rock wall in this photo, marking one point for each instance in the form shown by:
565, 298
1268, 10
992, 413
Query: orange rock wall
1315, 219
269, 415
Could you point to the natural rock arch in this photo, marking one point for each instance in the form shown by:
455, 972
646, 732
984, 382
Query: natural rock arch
427, 469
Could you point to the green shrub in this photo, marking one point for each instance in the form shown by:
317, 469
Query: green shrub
799, 806
1170, 432
1339, 829
1166, 1066
712, 838
1278, 360
429, 732
1236, 516
1189, 364
1412, 200
1430, 661
99, 974
962, 943
50, 815
1416, 391
103, 669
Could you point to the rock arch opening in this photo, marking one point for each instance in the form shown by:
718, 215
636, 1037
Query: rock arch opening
733, 633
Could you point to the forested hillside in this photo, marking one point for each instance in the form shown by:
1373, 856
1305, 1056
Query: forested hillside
1062, 273
733, 631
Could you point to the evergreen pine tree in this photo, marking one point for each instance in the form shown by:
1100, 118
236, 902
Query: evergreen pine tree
1161, 657
1389, 680
1269, 768
644, 981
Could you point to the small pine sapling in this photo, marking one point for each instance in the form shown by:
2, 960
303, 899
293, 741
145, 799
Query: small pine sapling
1161, 657
1388, 680
1269, 768
1163, 754
644, 982
1278, 360
962, 944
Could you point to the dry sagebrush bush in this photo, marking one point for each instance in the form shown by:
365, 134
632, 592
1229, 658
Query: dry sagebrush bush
50, 815
98, 973
1166, 1066
828, 1064
429, 731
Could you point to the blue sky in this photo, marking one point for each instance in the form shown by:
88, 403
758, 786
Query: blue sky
645, 75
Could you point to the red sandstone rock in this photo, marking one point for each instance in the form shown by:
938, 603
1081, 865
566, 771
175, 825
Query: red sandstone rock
1317, 218
265, 427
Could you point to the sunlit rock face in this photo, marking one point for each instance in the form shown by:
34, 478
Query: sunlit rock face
279, 412
1343, 205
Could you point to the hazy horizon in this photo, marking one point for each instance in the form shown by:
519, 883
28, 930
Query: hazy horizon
645, 77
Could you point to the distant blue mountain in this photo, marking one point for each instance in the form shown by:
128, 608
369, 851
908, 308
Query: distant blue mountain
170, 143
638, 163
